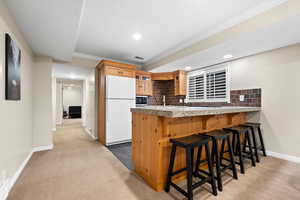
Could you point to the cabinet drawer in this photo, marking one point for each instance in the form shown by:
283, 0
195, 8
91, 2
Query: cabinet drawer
119, 72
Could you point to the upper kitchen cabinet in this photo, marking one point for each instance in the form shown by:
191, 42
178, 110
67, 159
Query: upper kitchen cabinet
143, 83
117, 69
180, 79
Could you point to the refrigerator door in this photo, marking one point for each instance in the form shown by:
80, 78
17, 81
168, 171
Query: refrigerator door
118, 121
118, 87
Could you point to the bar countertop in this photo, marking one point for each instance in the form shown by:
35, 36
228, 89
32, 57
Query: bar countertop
185, 111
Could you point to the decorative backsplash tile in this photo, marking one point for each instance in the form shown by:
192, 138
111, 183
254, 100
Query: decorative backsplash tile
252, 97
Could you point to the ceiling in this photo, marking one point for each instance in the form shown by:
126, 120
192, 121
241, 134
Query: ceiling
275, 36
62, 28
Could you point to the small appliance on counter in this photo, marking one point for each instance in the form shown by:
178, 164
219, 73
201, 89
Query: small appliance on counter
141, 101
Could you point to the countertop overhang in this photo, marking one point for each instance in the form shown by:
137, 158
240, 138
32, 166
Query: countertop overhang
185, 111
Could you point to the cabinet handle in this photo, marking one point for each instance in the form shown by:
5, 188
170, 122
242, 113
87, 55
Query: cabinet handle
120, 72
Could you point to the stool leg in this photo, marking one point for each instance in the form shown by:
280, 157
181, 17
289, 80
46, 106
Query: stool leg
234, 145
250, 149
261, 141
171, 166
239, 149
255, 144
218, 168
211, 170
198, 159
222, 150
189, 173
234, 172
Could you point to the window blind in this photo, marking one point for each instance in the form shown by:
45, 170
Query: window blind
216, 85
196, 87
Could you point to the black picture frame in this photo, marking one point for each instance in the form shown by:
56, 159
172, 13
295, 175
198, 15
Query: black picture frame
12, 69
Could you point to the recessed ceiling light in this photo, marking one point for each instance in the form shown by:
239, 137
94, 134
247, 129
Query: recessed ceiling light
228, 56
188, 68
137, 36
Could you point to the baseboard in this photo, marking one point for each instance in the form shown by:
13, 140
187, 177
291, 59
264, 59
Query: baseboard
4, 189
43, 148
284, 156
9, 183
90, 134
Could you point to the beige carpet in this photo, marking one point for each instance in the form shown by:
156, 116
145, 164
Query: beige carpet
81, 169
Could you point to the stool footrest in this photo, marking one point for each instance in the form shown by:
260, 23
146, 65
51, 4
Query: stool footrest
179, 189
179, 171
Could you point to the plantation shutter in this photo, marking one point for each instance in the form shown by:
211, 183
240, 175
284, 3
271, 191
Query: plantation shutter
196, 87
216, 85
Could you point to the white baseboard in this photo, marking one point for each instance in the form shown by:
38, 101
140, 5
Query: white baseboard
9, 183
284, 156
43, 148
90, 134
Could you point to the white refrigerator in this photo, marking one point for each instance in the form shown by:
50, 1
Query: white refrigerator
120, 97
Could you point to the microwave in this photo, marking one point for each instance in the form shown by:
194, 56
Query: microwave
141, 100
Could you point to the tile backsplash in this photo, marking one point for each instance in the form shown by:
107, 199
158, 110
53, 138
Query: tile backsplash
252, 97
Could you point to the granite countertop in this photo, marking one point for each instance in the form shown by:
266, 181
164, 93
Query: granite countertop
185, 111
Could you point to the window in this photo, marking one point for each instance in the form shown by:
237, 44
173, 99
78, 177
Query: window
210, 85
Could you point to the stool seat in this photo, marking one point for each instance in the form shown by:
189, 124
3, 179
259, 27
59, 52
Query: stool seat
218, 134
252, 124
238, 129
191, 141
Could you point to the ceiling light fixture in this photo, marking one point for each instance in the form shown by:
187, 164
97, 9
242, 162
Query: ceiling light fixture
137, 36
188, 68
228, 56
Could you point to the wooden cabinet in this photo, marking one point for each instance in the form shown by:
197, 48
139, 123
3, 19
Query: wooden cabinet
143, 83
109, 70
104, 68
164, 76
180, 79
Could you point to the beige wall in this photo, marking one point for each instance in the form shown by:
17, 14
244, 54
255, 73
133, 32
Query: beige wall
90, 104
277, 73
15, 116
42, 101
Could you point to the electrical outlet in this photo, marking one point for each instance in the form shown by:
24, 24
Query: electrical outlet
242, 97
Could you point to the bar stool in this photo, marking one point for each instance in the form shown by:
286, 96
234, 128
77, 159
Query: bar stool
252, 127
239, 131
218, 157
189, 144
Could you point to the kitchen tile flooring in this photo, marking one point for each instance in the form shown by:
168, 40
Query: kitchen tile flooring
123, 153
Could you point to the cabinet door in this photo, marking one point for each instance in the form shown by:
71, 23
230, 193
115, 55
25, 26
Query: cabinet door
139, 85
180, 82
147, 82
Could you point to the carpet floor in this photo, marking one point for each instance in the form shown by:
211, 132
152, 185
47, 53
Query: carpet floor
79, 168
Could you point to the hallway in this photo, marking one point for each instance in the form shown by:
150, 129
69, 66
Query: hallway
78, 168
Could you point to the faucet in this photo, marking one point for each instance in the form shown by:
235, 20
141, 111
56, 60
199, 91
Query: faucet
164, 100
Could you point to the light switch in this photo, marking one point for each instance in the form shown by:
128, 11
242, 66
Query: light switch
242, 97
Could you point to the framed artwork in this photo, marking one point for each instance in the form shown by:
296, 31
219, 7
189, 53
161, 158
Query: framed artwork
12, 69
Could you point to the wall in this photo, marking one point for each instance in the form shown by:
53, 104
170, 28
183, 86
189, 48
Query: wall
90, 122
42, 100
72, 96
59, 106
15, 116
277, 73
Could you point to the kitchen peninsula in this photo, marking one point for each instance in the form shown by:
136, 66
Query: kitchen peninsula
154, 126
